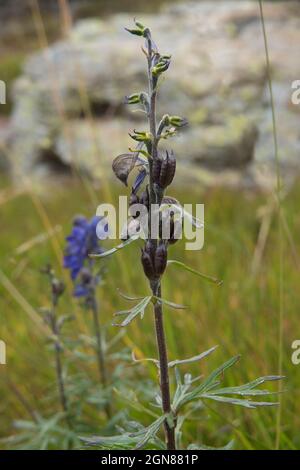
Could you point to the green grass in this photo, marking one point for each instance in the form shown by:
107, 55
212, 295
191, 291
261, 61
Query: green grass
241, 316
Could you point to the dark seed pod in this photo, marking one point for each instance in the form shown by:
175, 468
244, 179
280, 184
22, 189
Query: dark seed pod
86, 276
160, 259
147, 262
167, 171
79, 220
156, 168
150, 248
58, 287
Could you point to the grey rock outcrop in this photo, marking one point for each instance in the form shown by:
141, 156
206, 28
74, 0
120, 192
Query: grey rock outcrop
68, 102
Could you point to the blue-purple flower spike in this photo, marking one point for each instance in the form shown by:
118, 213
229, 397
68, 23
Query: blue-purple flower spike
83, 240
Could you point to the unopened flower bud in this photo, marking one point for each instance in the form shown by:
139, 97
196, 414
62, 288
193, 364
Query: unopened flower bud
141, 30
133, 99
141, 136
177, 121
162, 65
139, 25
136, 32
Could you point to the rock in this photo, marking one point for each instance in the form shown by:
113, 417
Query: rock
4, 138
229, 145
217, 80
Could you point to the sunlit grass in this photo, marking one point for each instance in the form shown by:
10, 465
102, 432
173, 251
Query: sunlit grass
240, 316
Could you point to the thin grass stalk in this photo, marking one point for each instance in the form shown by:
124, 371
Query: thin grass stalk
58, 363
100, 355
280, 228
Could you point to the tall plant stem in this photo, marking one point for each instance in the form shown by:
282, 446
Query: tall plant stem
156, 289
60, 380
163, 368
59, 367
278, 191
100, 351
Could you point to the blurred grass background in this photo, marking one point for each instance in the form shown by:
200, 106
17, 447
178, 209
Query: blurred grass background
241, 316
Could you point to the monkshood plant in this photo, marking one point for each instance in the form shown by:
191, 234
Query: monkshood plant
157, 170
82, 241
58, 429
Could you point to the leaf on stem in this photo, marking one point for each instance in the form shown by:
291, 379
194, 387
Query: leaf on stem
116, 248
192, 359
138, 309
170, 304
130, 440
128, 297
208, 390
211, 279
228, 446
145, 359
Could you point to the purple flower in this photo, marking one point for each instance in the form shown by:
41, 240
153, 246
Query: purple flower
139, 180
83, 240
80, 291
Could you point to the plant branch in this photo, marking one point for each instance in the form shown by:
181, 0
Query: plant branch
58, 363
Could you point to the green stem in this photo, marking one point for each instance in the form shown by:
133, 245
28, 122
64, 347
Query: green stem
100, 350
280, 230
58, 365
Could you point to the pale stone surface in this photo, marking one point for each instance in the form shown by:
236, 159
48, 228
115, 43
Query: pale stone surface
217, 80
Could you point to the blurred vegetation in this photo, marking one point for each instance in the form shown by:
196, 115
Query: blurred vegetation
241, 316
18, 37
10, 69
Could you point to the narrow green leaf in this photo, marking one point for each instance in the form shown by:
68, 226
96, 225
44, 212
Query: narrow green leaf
248, 389
151, 432
192, 359
211, 279
228, 446
207, 384
116, 248
145, 359
138, 309
128, 297
170, 304
239, 401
